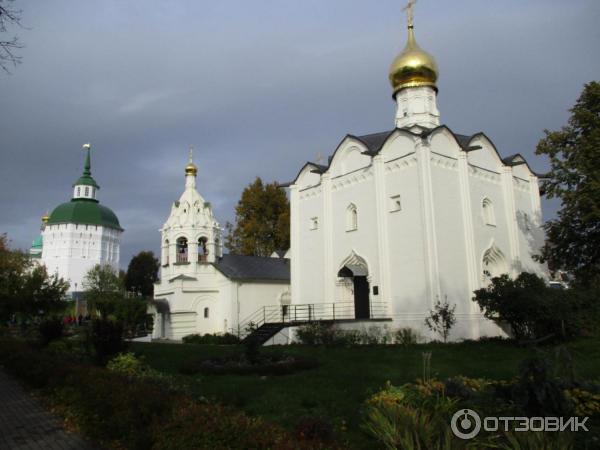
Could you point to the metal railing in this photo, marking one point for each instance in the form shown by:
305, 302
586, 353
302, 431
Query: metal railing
182, 257
305, 313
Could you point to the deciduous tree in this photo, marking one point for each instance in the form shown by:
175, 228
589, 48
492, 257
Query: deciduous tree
142, 273
262, 222
573, 238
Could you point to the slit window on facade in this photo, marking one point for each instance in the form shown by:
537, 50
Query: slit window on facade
206, 313
395, 203
489, 218
351, 218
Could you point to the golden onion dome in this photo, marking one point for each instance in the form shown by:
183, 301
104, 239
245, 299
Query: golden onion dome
191, 169
413, 67
45, 218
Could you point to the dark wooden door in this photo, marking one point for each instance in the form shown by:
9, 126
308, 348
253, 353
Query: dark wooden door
361, 297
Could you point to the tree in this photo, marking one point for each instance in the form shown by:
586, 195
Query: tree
441, 318
573, 238
26, 290
105, 293
262, 221
103, 289
142, 273
9, 16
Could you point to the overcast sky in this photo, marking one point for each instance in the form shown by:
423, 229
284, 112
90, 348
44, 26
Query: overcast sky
258, 88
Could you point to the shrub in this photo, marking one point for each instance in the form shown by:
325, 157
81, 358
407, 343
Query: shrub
534, 311
537, 392
212, 339
406, 336
441, 319
126, 364
411, 416
313, 333
50, 330
106, 338
322, 334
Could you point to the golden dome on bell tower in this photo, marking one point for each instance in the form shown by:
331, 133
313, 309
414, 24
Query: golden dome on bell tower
191, 168
413, 67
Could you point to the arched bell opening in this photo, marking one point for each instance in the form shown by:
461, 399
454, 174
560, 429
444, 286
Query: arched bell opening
203, 249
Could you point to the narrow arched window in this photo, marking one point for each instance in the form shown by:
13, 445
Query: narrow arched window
87, 191
182, 250
351, 218
202, 249
206, 313
489, 218
166, 252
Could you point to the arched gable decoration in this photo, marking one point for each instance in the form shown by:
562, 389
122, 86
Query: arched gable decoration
309, 167
518, 160
443, 129
476, 158
351, 154
355, 264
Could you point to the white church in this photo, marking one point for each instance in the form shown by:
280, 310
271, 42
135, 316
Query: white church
393, 222
401, 218
79, 234
201, 290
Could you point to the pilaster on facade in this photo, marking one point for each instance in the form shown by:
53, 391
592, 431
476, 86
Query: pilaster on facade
329, 274
295, 243
511, 219
469, 236
383, 241
428, 218
536, 205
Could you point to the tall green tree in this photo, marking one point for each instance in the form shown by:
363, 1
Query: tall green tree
103, 289
573, 238
262, 221
105, 294
142, 273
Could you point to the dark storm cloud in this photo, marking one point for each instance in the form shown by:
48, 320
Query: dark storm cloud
258, 88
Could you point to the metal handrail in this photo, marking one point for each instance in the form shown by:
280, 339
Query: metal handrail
307, 312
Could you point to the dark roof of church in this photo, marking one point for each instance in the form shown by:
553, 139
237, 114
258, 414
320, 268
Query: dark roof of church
254, 268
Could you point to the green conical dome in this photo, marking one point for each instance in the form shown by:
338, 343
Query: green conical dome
84, 212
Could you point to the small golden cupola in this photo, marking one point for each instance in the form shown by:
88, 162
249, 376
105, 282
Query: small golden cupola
191, 168
413, 67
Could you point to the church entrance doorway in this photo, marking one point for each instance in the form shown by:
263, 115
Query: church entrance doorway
361, 297
355, 268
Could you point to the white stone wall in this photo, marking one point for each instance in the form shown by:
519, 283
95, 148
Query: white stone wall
433, 245
71, 250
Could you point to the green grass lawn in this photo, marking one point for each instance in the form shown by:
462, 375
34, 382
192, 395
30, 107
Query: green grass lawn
345, 377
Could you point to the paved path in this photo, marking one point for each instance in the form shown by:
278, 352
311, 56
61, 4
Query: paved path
24, 424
